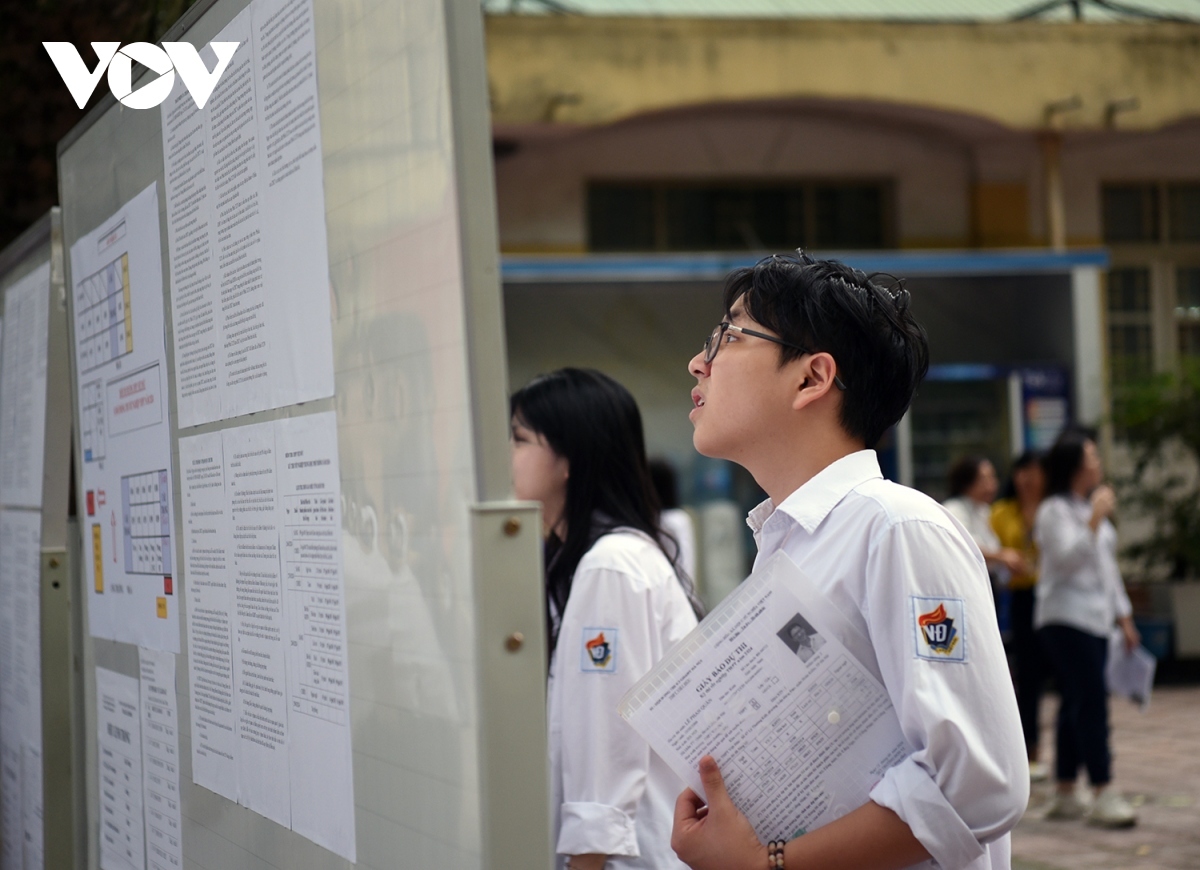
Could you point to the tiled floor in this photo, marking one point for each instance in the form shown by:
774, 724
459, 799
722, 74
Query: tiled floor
1156, 764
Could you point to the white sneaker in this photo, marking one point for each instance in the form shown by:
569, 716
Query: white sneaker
1065, 807
1038, 771
1112, 811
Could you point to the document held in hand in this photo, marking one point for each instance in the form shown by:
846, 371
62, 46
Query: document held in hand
801, 728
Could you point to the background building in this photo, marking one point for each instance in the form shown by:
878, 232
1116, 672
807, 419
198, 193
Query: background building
642, 148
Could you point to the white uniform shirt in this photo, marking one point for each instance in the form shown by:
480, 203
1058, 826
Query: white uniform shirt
610, 793
976, 518
886, 555
1079, 583
678, 522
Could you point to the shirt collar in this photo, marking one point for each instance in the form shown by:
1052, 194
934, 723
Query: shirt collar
812, 502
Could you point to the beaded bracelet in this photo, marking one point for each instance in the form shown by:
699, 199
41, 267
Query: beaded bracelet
775, 854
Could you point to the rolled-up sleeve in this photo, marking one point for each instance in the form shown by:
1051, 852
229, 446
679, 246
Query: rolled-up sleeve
966, 783
604, 761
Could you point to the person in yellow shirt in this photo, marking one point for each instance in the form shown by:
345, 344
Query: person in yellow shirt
1012, 521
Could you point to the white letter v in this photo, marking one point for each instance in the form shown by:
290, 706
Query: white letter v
70, 66
199, 81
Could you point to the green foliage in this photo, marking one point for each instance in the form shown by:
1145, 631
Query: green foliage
1159, 419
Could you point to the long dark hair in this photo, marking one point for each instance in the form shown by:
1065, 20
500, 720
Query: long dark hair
1027, 459
594, 423
963, 473
1064, 459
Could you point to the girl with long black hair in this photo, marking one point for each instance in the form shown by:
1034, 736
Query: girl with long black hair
615, 604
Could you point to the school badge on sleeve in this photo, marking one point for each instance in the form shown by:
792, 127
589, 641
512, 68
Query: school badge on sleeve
599, 654
940, 628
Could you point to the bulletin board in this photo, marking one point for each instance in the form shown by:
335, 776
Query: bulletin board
313, 631
40, 747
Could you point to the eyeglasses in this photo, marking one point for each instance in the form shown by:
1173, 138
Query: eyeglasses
713, 344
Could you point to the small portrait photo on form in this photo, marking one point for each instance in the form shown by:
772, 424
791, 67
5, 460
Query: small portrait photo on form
801, 638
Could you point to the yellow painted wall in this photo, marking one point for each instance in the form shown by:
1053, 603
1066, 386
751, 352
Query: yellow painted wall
588, 70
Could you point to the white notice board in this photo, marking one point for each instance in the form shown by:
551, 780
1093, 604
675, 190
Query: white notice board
334, 386
37, 686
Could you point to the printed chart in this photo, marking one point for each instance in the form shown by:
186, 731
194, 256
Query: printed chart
147, 523
103, 314
125, 428
91, 420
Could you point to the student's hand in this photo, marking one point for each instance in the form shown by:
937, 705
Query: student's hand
716, 836
1013, 561
1132, 638
587, 862
1104, 503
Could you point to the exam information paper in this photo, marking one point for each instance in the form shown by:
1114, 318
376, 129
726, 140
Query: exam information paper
124, 428
800, 728
119, 747
245, 201
266, 618
23, 389
21, 827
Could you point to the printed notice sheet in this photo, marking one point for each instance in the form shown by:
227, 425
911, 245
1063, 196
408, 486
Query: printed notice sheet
119, 746
267, 623
21, 831
246, 224
23, 389
160, 760
124, 428
799, 727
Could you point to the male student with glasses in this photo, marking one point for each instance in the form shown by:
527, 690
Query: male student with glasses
813, 362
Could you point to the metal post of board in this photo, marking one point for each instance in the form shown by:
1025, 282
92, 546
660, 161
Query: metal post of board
61, 621
58, 715
482, 295
511, 649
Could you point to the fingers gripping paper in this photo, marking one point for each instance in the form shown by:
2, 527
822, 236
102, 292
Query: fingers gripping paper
801, 729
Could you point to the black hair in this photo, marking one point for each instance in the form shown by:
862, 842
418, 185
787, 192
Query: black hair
1065, 459
1025, 460
881, 352
964, 472
665, 487
593, 422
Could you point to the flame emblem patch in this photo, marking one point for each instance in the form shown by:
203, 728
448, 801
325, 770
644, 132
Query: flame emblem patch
940, 629
599, 654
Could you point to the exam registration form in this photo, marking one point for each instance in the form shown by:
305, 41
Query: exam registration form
800, 727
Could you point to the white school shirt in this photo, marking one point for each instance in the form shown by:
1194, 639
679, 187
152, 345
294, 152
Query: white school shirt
1078, 567
610, 793
886, 555
976, 518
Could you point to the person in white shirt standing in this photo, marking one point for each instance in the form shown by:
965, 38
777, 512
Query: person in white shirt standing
1080, 597
973, 488
812, 363
615, 604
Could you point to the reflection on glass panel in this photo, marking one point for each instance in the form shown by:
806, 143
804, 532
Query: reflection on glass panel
849, 216
951, 419
621, 217
1189, 341
734, 218
1129, 290
1130, 212
1130, 352
1183, 204
1187, 291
